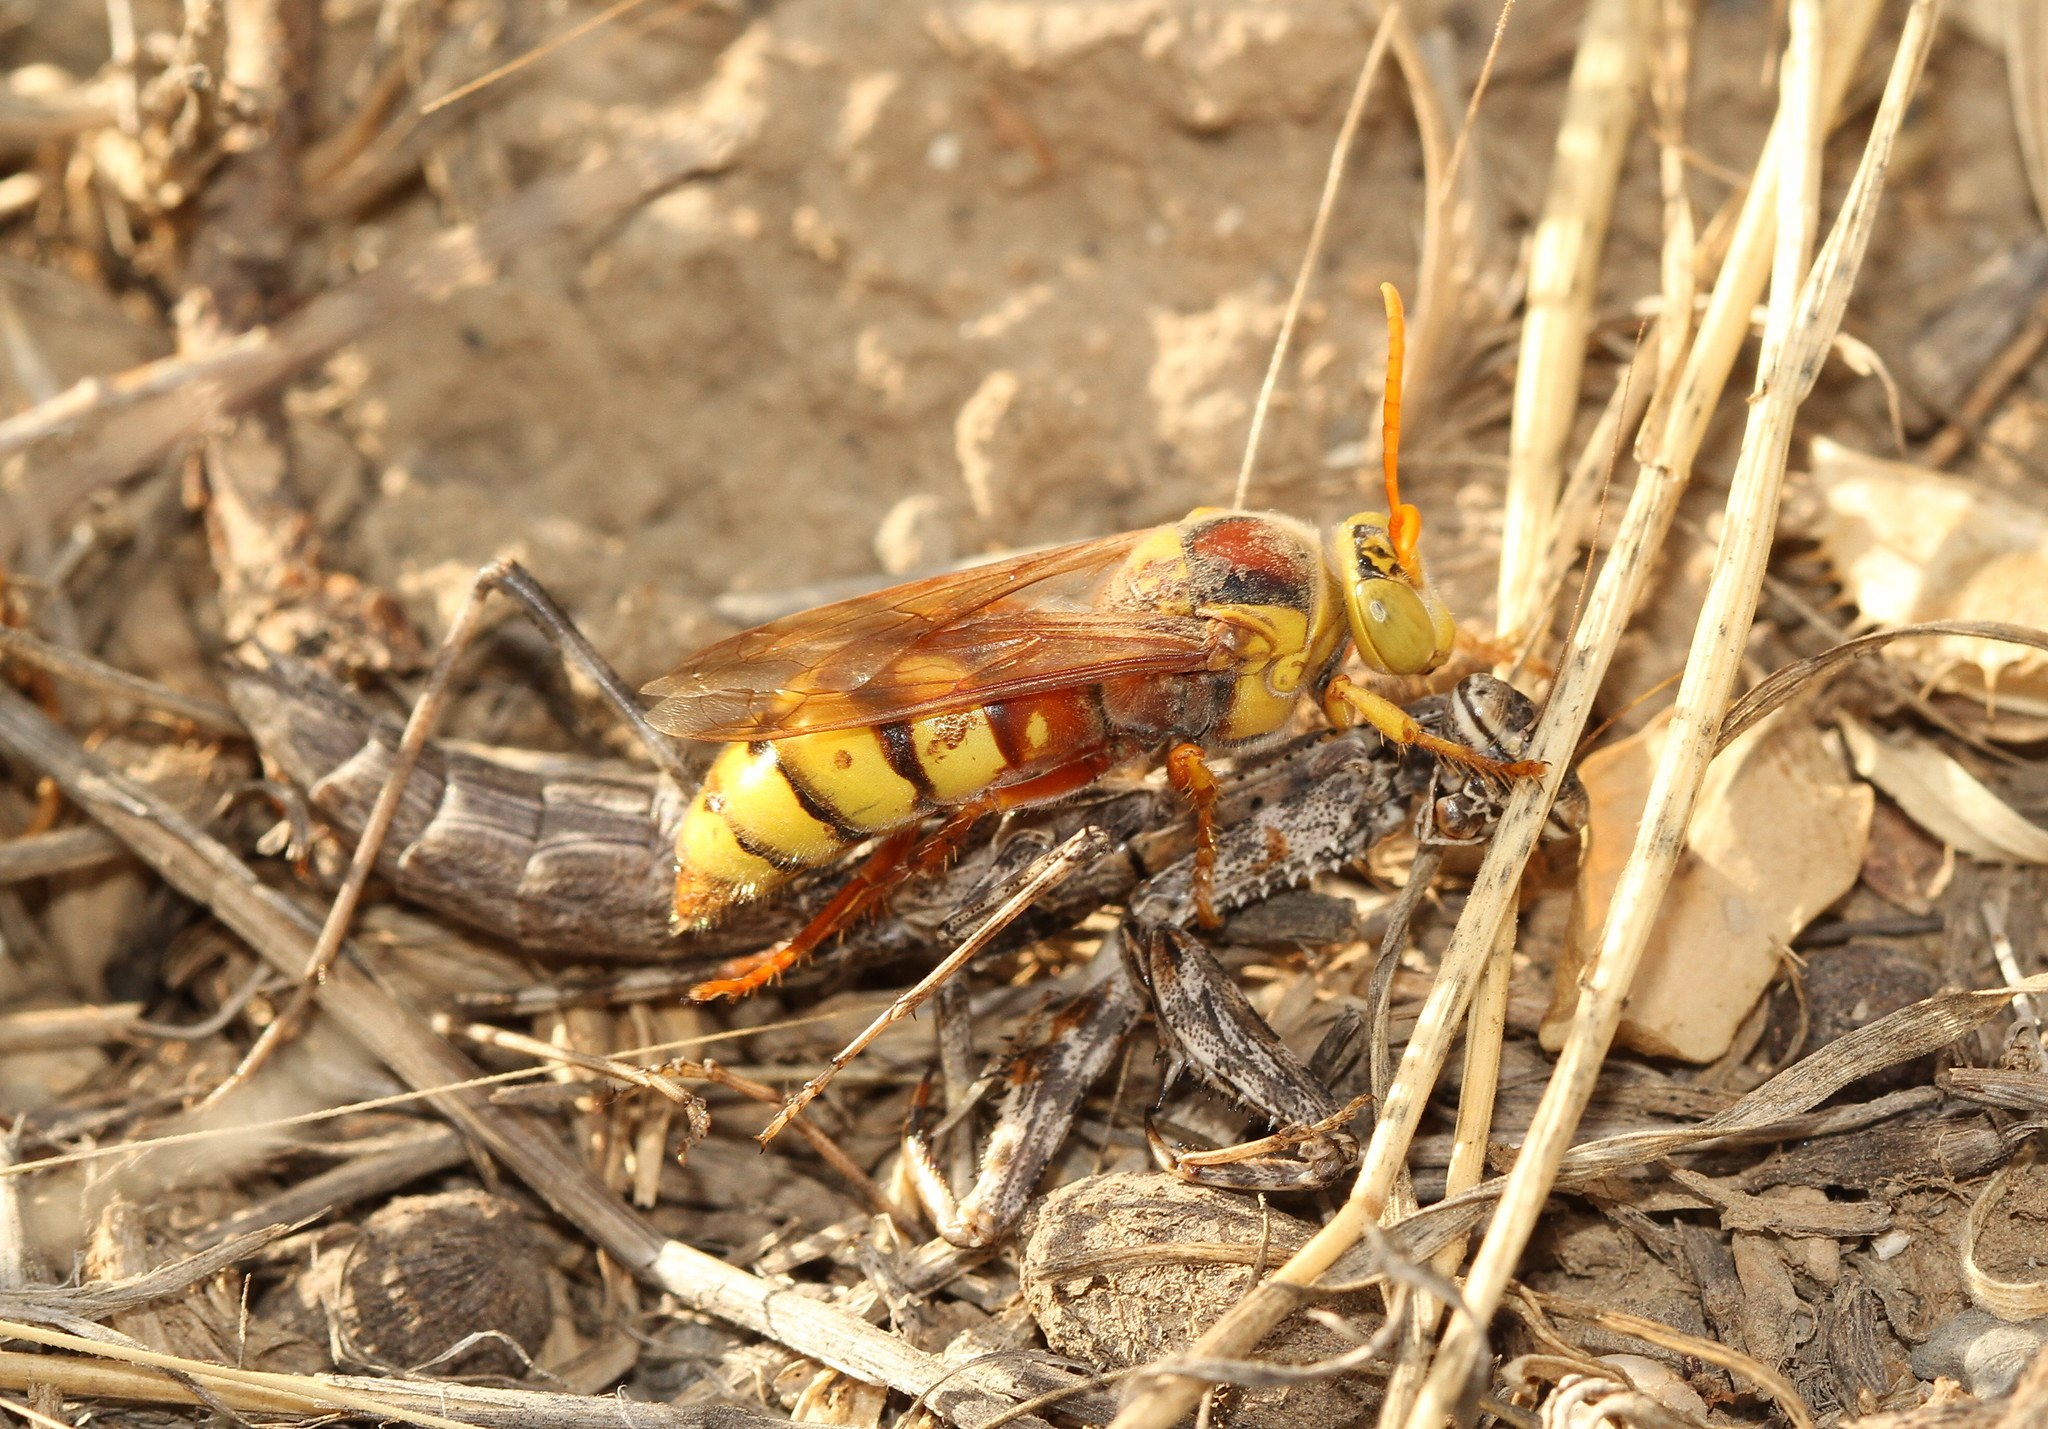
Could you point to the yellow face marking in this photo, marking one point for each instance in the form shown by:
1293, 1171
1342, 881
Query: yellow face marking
762, 806
959, 754
847, 770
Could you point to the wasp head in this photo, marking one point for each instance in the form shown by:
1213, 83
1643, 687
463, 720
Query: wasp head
1399, 624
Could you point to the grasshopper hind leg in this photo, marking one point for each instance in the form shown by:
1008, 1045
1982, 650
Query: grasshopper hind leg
505, 576
1212, 1034
502, 575
1043, 1087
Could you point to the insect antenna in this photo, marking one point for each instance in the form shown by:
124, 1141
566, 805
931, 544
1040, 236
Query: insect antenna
1404, 522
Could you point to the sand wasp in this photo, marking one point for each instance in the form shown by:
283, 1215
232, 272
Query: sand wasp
1027, 679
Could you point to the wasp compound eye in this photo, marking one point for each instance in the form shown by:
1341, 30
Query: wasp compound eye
1393, 627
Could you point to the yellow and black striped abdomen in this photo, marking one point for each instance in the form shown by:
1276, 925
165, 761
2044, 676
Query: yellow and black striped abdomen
770, 809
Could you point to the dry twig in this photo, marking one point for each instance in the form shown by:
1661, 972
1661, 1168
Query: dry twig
1564, 267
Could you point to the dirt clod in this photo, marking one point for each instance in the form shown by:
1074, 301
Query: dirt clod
1122, 1270
429, 1271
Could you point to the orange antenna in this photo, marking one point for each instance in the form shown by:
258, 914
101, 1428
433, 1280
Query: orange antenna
1404, 522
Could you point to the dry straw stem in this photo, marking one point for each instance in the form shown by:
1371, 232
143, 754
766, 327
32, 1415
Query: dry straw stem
1670, 82
1481, 1080
1666, 466
1451, 225
1564, 266
2026, 62
207, 872
1811, 316
1572, 524
1799, 109
112, 1374
1485, 1038
289, 1393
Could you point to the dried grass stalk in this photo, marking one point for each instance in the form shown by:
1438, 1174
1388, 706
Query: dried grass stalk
98, 1377
2026, 62
1564, 265
1812, 315
288, 1393
1666, 465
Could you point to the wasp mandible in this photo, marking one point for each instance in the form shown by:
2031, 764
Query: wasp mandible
1029, 678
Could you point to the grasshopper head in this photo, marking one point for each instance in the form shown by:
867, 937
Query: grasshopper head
1399, 624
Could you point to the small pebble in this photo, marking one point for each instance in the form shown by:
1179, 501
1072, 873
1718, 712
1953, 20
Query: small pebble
1986, 1353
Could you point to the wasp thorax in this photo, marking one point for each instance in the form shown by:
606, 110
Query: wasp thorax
1397, 622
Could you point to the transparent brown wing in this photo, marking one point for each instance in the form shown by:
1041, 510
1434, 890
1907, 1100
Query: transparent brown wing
997, 631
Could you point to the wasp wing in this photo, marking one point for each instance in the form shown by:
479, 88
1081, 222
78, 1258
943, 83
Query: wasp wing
998, 631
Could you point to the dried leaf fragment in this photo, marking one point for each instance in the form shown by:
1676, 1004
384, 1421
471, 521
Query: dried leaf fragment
1944, 798
1780, 833
1912, 544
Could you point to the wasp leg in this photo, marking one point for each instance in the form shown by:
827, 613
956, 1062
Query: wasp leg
1082, 845
1191, 775
1213, 1034
1348, 703
1043, 1088
898, 857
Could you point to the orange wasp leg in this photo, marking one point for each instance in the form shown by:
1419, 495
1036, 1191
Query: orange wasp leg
1348, 704
1084, 845
1192, 776
898, 858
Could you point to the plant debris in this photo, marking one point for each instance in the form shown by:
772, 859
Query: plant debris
709, 315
